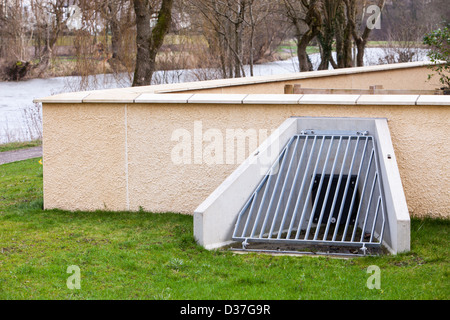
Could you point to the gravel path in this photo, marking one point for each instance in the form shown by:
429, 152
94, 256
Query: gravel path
20, 154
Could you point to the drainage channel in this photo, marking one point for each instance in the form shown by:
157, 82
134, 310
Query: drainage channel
324, 190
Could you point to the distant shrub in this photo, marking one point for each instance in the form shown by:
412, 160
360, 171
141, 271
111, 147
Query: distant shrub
439, 43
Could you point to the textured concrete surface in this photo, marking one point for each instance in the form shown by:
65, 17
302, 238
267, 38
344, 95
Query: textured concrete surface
84, 158
116, 153
120, 156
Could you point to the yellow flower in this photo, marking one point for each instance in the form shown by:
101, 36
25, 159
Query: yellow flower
40, 161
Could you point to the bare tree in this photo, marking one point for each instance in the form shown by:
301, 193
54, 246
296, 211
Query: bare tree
344, 37
306, 19
15, 29
50, 15
118, 17
269, 29
3, 42
149, 40
16, 33
226, 21
361, 37
327, 32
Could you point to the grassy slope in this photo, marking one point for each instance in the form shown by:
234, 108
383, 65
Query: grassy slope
19, 145
141, 255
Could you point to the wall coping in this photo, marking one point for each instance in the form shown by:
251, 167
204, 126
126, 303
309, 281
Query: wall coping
274, 99
144, 94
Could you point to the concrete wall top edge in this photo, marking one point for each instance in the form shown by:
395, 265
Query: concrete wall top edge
105, 95
203, 98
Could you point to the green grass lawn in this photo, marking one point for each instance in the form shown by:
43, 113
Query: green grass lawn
142, 255
19, 145
289, 46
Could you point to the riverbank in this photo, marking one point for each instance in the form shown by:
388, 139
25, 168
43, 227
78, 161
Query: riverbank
18, 113
14, 146
17, 96
175, 57
175, 54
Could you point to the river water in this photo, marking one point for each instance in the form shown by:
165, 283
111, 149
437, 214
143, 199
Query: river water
20, 119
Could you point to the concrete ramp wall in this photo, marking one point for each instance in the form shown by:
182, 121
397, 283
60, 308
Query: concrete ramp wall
215, 218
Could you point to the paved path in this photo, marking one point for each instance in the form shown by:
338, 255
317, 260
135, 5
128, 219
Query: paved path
20, 154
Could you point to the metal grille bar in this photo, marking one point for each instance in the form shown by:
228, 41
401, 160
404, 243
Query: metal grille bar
324, 189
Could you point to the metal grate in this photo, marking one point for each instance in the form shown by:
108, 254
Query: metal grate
324, 189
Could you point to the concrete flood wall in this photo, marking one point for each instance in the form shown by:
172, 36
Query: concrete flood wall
124, 149
120, 156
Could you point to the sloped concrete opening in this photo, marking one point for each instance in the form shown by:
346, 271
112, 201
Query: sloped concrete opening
324, 189
281, 196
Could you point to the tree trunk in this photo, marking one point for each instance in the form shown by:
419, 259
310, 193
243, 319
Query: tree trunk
340, 46
115, 32
343, 38
148, 40
361, 41
347, 48
360, 46
344, 33
237, 50
313, 20
326, 36
52, 32
2, 31
303, 58
326, 49
252, 36
47, 53
324, 58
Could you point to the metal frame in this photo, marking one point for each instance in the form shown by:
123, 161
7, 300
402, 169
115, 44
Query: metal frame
281, 209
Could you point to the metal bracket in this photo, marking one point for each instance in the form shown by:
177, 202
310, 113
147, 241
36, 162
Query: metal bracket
364, 249
244, 244
334, 132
